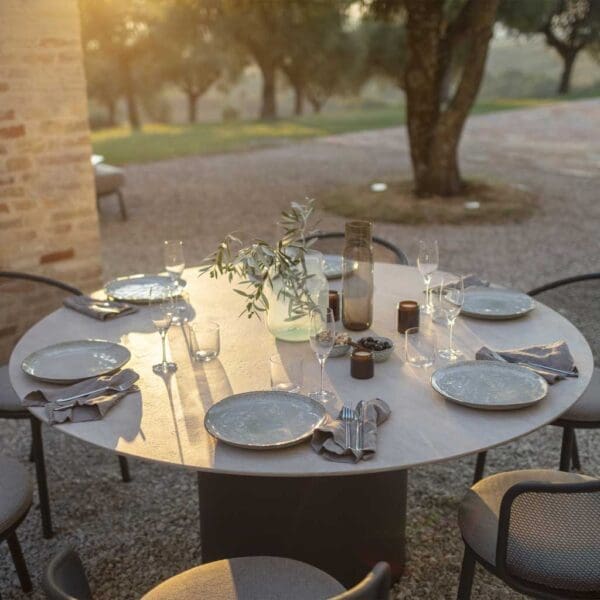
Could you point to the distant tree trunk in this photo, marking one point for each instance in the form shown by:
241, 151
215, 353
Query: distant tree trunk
133, 113
268, 109
434, 132
564, 87
192, 99
316, 104
298, 100
111, 109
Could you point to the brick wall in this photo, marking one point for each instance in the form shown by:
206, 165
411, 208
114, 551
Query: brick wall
48, 219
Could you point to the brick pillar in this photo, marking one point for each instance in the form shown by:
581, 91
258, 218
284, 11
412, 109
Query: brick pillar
48, 218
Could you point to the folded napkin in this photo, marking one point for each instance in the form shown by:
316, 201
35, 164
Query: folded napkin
98, 309
556, 355
468, 281
330, 438
91, 407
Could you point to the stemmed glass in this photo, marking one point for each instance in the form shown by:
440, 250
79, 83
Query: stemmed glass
427, 262
174, 260
161, 312
451, 300
322, 339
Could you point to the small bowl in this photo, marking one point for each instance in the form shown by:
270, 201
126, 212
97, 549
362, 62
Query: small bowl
339, 350
380, 356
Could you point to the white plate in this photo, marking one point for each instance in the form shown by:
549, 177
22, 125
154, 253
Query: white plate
489, 385
137, 288
68, 362
264, 420
333, 266
495, 303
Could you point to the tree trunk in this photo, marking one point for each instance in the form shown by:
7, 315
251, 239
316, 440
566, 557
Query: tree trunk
564, 87
133, 113
434, 132
192, 107
268, 109
298, 100
316, 104
111, 109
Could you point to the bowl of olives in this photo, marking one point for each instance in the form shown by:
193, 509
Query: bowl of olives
381, 347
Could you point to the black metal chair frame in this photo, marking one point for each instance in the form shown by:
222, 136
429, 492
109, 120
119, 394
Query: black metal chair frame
501, 569
37, 446
569, 453
375, 586
10, 535
328, 235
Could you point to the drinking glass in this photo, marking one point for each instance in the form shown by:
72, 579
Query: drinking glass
322, 339
174, 260
207, 341
161, 312
285, 376
427, 262
182, 309
420, 347
451, 300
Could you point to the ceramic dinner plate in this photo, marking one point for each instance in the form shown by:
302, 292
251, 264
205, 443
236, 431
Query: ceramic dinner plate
489, 385
68, 362
264, 420
333, 265
136, 288
496, 303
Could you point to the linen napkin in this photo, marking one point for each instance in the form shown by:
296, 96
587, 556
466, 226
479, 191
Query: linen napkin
330, 438
98, 309
556, 355
470, 280
91, 407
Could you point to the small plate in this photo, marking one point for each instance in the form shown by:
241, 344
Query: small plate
136, 288
496, 303
264, 420
68, 362
333, 266
489, 385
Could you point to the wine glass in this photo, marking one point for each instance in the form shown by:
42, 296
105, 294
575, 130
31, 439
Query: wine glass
161, 312
451, 300
427, 262
322, 340
174, 260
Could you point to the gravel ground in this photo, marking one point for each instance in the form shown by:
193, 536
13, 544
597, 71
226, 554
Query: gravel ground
131, 536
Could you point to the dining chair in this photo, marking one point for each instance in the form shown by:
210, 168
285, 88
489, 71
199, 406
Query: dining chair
536, 530
264, 577
65, 578
16, 497
585, 413
322, 236
11, 408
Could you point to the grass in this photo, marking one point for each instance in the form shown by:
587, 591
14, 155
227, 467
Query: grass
158, 142
498, 203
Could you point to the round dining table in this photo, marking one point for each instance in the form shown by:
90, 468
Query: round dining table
292, 502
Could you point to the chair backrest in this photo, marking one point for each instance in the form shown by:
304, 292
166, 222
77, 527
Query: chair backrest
397, 254
65, 578
549, 539
375, 586
577, 299
41, 279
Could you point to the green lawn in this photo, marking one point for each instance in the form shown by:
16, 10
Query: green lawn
158, 142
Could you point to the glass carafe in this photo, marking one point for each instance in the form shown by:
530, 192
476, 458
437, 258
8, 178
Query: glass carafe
357, 284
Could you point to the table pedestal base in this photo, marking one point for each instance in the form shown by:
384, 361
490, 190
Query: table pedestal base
343, 525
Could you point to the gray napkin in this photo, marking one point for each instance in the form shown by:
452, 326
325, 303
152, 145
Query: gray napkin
98, 309
468, 281
87, 408
330, 438
555, 355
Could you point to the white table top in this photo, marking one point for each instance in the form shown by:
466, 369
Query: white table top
164, 423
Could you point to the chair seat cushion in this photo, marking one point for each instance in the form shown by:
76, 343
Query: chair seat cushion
108, 178
480, 508
249, 578
587, 408
9, 401
15, 492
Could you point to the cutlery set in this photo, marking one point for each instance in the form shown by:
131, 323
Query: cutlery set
354, 422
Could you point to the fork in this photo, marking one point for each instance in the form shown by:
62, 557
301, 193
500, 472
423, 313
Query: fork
120, 387
348, 417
